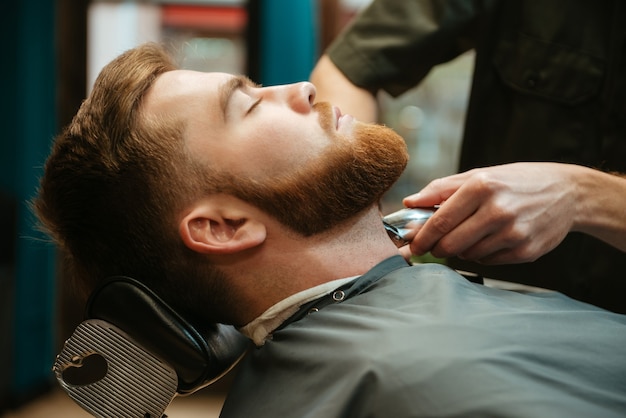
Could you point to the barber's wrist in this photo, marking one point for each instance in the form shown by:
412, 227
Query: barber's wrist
601, 201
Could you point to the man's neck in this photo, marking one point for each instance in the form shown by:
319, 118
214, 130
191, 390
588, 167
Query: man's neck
288, 264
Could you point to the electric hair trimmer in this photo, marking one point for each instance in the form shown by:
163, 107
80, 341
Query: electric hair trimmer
397, 223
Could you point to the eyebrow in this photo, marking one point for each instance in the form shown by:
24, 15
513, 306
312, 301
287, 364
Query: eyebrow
227, 90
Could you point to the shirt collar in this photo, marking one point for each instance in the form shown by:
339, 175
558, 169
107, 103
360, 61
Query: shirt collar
261, 328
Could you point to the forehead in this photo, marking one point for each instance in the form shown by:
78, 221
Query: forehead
173, 89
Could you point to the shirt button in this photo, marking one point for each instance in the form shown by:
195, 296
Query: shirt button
339, 295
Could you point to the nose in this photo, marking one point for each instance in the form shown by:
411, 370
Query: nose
301, 96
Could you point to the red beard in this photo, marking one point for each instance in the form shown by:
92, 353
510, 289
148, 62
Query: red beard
349, 177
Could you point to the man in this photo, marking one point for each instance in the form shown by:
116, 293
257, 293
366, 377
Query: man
257, 207
543, 90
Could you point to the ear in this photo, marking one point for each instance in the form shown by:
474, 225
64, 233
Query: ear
213, 229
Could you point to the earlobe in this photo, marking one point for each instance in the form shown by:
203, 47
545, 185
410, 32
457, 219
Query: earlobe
210, 232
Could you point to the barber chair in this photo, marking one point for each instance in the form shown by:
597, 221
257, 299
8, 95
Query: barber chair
134, 354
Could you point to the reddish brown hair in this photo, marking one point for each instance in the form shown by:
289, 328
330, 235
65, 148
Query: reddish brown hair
114, 183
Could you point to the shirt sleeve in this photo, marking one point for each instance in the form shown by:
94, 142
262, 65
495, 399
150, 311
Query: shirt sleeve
393, 44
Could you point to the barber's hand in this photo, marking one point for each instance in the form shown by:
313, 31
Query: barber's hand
504, 214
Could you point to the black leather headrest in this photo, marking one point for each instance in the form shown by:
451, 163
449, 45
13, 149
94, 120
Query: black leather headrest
199, 355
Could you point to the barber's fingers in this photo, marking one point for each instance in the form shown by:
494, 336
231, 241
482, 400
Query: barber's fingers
480, 237
497, 248
480, 242
406, 252
436, 192
447, 231
465, 235
516, 241
514, 255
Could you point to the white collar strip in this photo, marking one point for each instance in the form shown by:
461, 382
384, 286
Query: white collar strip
261, 328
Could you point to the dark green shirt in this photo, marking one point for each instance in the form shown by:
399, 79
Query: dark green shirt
422, 341
549, 85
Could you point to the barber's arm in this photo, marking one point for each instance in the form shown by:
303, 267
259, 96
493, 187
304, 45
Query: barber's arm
515, 213
333, 86
392, 45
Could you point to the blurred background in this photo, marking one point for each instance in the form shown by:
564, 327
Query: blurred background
52, 53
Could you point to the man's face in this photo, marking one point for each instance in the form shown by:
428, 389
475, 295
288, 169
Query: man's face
308, 165
235, 126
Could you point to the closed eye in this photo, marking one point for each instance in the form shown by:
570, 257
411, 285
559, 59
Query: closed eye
228, 89
254, 105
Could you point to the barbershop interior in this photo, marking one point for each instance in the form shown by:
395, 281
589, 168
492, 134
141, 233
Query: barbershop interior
54, 52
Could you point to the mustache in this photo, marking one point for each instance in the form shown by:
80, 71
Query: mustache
326, 115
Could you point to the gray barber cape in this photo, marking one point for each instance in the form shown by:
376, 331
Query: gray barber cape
422, 341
